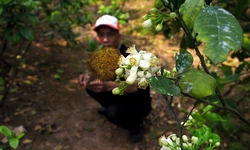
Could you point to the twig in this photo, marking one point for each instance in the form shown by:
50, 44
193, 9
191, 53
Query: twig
224, 108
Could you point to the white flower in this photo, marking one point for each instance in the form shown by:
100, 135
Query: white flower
131, 50
143, 75
132, 60
147, 24
165, 148
163, 140
144, 64
137, 67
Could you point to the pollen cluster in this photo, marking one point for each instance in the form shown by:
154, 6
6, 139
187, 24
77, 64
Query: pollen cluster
103, 63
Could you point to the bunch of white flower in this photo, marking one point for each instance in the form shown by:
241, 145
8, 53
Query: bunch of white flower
172, 142
136, 67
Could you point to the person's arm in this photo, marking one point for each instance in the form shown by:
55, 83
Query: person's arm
98, 86
110, 85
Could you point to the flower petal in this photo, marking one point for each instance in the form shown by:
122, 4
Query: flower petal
144, 64
131, 79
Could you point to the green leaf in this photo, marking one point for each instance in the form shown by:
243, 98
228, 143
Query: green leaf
229, 79
228, 126
213, 117
208, 148
27, 33
14, 142
164, 86
189, 10
198, 117
27, 82
220, 31
33, 18
1, 10
59, 70
191, 130
16, 37
204, 134
20, 135
6, 131
206, 109
246, 42
184, 61
57, 76
215, 137
197, 83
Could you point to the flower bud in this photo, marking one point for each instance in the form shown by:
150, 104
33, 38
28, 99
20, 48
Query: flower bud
131, 79
174, 70
147, 24
194, 139
185, 145
166, 73
177, 141
217, 144
145, 17
210, 140
158, 27
153, 10
116, 91
172, 15
119, 71
185, 138
174, 137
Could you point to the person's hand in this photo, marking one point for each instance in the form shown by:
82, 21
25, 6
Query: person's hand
96, 86
84, 79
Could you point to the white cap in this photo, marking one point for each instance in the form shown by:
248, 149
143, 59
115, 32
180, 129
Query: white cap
107, 20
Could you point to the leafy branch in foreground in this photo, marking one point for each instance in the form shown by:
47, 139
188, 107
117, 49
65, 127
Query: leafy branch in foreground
220, 32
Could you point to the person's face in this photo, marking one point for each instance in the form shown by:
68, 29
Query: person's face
108, 37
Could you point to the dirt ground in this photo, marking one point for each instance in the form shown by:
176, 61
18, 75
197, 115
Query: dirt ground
57, 114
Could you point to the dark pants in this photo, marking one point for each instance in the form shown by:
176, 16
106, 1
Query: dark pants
126, 111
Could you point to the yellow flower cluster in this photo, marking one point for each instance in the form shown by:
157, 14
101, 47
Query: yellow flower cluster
103, 63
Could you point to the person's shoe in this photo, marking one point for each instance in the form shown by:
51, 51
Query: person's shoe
101, 111
136, 134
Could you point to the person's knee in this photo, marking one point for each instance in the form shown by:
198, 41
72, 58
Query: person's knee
112, 113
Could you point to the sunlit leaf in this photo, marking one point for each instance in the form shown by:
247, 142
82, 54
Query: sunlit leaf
189, 10
220, 31
184, 61
14, 142
6, 131
197, 83
164, 86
